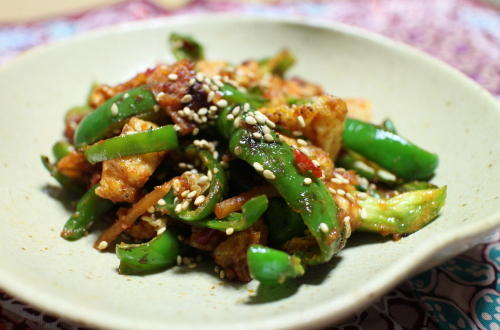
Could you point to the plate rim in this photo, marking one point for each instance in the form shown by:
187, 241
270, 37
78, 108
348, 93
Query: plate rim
316, 316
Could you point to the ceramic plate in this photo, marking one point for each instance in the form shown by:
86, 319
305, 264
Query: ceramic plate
432, 104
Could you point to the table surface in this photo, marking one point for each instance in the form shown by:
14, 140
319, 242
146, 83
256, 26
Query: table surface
459, 294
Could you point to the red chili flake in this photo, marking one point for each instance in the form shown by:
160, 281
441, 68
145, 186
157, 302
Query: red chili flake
304, 164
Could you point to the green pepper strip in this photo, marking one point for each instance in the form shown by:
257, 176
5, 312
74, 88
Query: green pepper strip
279, 64
251, 213
282, 222
270, 266
66, 182
61, 149
112, 115
185, 47
235, 96
402, 214
392, 152
353, 161
89, 209
158, 254
313, 201
160, 139
215, 191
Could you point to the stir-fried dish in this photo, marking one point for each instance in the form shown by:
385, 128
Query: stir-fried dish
265, 174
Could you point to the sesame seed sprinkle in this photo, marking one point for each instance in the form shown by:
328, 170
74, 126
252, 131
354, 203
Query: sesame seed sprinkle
315, 162
323, 227
307, 181
151, 209
256, 135
230, 117
301, 121
270, 123
341, 192
302, 142
347, 224
268, 175
246, 107
250, 120
161, 230
333, 191
221, 103
191, 194
210, 96
172, 76
237, 122
179, 260
268, 137
258, 167
363, 214
229, 231
161, 202
178, 208
186, 98
114, 109
296, 133
102, 245
222, 274
200, 199
236, 111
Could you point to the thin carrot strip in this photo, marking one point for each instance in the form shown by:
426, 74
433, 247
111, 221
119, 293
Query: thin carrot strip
233, 204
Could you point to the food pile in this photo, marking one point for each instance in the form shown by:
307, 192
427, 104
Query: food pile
265, 174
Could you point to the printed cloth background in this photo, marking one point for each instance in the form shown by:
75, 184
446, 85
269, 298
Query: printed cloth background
463, 293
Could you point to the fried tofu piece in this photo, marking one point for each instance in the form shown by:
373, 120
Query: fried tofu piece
321, 121
231, 254
122, 178
359, 109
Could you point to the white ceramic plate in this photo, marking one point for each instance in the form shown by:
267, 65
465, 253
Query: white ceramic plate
431, 103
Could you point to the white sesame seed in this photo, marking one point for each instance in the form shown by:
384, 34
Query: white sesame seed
261, 118
192, 81
350, 197
250, 120
102, 245
222, 274
185, 205
221, 103
156, 108
266, 130
114, 109
161, 202
301, 121
216, 269
296, 133
172, 76
268, 137
270, 123
210, 96
237, 122
256, 135
200, 199
230, 117
196, 130
236, 111
186, 98
177, 127
151, 209
341, 192
202, 111
229, 231
323, 227
363, 214
268, 175
178, 208
246, 107
362, 166
191, 194
335, 180
216, 170
200, 76
203, 179
386, 175
179, 260
307, 181
258, 167
161, 230
213, 108
302, 142
333, 191
125, 95
315, 163
347, 224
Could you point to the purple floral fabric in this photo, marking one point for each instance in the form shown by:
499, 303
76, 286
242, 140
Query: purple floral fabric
462, 293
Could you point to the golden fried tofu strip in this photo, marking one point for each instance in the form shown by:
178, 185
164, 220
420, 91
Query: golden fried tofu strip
122, 178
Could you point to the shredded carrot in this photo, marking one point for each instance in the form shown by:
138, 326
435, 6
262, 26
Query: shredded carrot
127, 219
233, 204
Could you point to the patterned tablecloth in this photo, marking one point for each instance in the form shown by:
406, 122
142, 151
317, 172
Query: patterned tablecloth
462, 293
